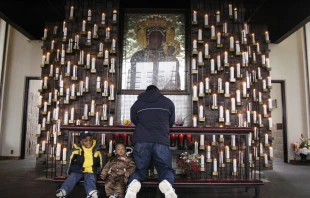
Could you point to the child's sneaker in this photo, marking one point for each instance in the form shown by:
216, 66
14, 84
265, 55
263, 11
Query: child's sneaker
166, 188
61, 193
114, 195
133, 189
93, 194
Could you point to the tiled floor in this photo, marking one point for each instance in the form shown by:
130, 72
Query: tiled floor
21, 178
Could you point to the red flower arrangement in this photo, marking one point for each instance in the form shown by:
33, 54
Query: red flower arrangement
189, 163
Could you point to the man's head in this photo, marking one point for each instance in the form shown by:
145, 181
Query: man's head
120, 149
152, 88
86, 139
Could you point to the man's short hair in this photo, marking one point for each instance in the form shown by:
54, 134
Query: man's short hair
152, 88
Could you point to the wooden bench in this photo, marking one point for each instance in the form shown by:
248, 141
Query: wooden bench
197, 183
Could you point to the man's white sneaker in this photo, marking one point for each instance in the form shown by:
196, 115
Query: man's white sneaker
133, 189
166, 188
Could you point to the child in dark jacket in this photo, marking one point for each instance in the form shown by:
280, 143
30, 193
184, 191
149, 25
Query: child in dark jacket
116, 172
85, 161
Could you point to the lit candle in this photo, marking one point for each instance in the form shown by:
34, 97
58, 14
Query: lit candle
83, 26
264, 84
227, 152
199, 34
37, 149
218, 17
253, 38
89, 15
234, 165
104, 110
107, 33
212, 65
105, 87
206, 49
194, 121
206, 19
103, 18
196, 147
219, 82
218, 38
238, 95
230, 9
200, 57
88, 59
267, 36
270, 123
66, 117
259, 119
265, 109
92, 107
111, 121
254, 117
110, 146
257, 47
43, 145
260, 148
207, 83
194, 16
71, 11
98, 82
213, 138
73, 90
266, 158
58, 150
212, 31
214, 100
86, 82
231, 42
235, 14
64, 154
194, 64
112, 90
95, 29
201, 88
270, 151
106, 54
214, 165
237, 47
97, 118
269, 81
208, 152
89, 35
194, 44
114, 15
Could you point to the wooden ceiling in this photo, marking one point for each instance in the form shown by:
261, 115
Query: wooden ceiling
282, 19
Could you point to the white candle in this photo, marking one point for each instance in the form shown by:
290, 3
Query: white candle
214, 100
207, 83
238, 96
201, 88
37, 149
214, 165
196, 147
266, 158
244, 88
86, 82
226, 87
265, 109
260, 148
85, 110
88, 59
218, 16
270, 151
103, 139
267, 36
43, 145
233, 140
264, 84
212, 31
107, 33
114, 15
55, 137
227, 155
45, 107
250, 139
200, 57
233, 104
206, 49
64, 154
199, 34
208, 152
106, 54
206, 19
111, 121
103, 18
263, 59
218, 38
112, 90
202, 140
73, 90
58, 150
237, 46
92, 107
227, 116
221, 158
104, 110
230, 9
72, 114
113, 43
105, 87
259, 119
234, 165
212, 65
98, 82
66, 117
110, 146
213, 138
95, 29
194, 44
194, 91
89, 15
71, 11
218, 62
221, 112
83, 26
101, 47
268, 80
219, 82
235, 14
270, 123
194, 16
200, 111
257, 47
194, 64
97, 118
202, 161
93, 63
194, 122
231, 42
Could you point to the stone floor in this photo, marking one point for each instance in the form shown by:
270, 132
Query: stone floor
22, 178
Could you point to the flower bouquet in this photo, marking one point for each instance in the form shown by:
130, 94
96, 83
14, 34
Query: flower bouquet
189, 163
301, 147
